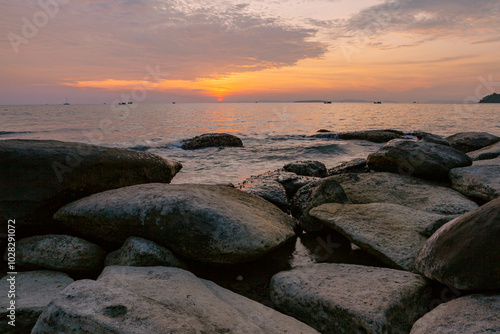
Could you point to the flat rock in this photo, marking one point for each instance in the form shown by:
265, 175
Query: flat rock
38, 177
488, 152
207, 223
376, 136
139, 252
390, 232
290, 181
477, 181
211, 140
269, 190
34, 290
68, 254
158, 300
465, 252
472, 141
352, 166
418, 158
349, 299
472, 314
404, 190
307, 168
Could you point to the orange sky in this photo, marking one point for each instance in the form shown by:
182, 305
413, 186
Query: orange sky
192, 51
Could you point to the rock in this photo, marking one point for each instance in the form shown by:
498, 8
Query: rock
481, 182
472, 141
487, 162
269, 190
208, 223
465, 252
71, 255
323, 131
211, 140
488, 152
291, 181
436, 225
34, 290
353, 166
390, 232
325, 135
419, 158
404, 190
376, 136
307, 168
38, 177
492, 98
140, 252
158, 300
432, 138
471, 314
348, 299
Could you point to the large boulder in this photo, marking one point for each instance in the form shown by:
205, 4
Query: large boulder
488, 152
419, 158
391, 232
472, 141
465, 252
477, 181
207, 223
68, 254
307, 168
404, 190
211, 140
471, 314
139, 252
33, 292
349, 299
376, 136
38, 177
158, 300
269, 190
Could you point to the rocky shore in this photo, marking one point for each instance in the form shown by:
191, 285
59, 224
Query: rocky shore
406, 240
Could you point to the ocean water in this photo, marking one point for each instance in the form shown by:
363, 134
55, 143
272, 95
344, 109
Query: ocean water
273, 134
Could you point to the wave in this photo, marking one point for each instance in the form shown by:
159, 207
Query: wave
9, 133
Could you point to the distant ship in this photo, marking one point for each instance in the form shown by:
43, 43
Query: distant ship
327, 102
130, 102
378, 102
66, 103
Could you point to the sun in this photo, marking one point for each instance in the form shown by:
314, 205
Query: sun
220, 98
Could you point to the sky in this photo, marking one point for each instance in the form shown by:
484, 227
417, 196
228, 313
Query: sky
159, 51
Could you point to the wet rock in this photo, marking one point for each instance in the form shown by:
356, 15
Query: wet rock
207, 223
390, 232
404, 190
212, 140
307, 168
38, 177
68, 254
481, 182
476, 313
376, 136
140, 252
269, 190
418, 158
472, 141
488, 152
34, 290
342, 298
158, 300
353, 166
464, 252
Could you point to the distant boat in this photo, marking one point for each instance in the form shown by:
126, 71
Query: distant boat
378, 102
66, 103
122, 103
130, 102
173, 102
327, 102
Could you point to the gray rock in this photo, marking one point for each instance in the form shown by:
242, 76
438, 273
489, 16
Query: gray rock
158, 300
376, 136
38, 177
207, 223
353, 166
140, 252
472, 141
211, 140
481, 182
390, 232
291, 181
432, 138
436, 225
465, 252
33, 292
68, 254
488, 152
472, 314
418, 158
269, 190
307, 168
404, 190
488, 162
348, 299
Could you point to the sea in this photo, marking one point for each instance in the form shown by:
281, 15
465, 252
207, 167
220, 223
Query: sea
273, 134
